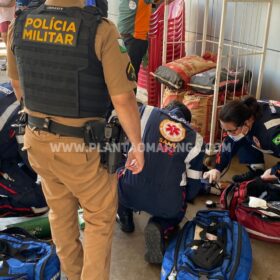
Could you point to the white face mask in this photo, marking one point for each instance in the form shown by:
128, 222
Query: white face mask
237, 137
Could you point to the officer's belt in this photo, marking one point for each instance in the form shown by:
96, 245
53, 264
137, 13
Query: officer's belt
46, 124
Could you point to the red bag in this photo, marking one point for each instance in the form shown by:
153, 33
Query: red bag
261, 223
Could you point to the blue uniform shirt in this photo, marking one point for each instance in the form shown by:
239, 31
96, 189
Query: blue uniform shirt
173, 163
264, 137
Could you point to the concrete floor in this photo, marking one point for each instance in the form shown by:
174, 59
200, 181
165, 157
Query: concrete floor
128, 249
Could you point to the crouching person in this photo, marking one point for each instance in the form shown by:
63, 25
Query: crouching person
171, 177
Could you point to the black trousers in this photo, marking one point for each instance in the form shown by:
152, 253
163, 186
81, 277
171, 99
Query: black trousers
136, 50
166, 224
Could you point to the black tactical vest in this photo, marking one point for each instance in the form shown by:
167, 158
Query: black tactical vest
58, 67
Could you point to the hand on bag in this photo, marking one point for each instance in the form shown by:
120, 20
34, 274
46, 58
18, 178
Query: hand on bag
135, 161
212, 175
267, 176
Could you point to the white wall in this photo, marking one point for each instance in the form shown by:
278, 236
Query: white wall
245, 27
271, 82
113, 10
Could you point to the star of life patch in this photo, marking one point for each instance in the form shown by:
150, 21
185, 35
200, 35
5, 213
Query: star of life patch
172, 131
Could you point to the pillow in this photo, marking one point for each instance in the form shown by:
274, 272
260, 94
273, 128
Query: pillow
177, 74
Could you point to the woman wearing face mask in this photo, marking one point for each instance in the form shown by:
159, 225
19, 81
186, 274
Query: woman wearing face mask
253, 128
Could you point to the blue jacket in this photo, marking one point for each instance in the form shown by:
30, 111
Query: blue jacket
9, 108
173, 163
264, 137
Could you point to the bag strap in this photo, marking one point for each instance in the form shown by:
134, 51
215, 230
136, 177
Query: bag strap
177, 248
4, 272
200, 242
18, 231
230, 194
6, 251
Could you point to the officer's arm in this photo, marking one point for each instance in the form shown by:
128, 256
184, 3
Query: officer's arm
119, 77
128, 114
194, 167
12, 65
8, 3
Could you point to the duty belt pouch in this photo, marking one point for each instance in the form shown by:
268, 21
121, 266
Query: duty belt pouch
107, 137
94, 132
112, 150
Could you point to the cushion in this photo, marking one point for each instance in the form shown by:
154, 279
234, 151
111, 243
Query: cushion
177, 74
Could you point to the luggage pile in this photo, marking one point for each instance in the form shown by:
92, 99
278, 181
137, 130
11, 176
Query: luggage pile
22, 256
20, 194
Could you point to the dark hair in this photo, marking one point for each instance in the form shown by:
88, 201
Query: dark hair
183, 109
238, 111
252, 103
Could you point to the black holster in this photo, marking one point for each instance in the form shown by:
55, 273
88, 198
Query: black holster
108, 138
94, 132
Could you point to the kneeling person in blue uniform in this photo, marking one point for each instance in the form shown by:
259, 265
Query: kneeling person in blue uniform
253, 129
172, 175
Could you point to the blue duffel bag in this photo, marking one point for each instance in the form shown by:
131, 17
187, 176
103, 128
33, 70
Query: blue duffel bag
211, 246
22, 256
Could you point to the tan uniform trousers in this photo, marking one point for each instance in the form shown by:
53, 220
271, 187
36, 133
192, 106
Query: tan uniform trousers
69, 179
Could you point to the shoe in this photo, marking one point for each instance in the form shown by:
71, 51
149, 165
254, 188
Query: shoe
125, 219
154, 243
249, 175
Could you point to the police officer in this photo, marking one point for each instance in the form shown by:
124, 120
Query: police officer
68, 62
171, 176
253, 129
